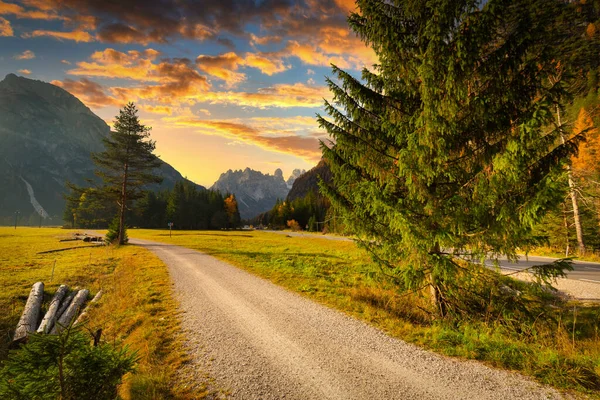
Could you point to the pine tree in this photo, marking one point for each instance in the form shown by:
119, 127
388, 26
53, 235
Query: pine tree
127, 163
450, 145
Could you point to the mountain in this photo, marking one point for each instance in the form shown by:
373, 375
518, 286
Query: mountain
295, 174
255, 192
309, 181
47, 136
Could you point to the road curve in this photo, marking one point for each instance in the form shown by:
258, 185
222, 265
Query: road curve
260, 341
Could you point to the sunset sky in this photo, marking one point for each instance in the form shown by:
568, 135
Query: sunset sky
225, 84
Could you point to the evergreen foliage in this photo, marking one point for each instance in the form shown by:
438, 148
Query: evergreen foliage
450, 145
127, 163
64, 366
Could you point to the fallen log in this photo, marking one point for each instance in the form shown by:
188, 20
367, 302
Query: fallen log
83, 315
31, 313
65, 319
66, 303
51, 315
71, 248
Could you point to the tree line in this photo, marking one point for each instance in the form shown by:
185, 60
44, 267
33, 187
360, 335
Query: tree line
186, 206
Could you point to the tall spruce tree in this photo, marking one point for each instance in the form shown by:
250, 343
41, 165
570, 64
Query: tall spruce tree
127, 163
450, 144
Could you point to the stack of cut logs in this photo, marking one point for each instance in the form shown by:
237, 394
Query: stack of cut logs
62, 310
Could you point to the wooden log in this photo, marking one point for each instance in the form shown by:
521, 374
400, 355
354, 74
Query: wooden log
66, 303
31, 313
51, 315
83, 315
65, 319
70, 248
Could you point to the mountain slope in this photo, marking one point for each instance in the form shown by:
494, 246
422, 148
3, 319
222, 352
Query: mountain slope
255, 192
309, 181
47, 137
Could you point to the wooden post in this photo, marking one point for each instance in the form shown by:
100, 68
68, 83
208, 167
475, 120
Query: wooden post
50, 317
65, 319
31, 313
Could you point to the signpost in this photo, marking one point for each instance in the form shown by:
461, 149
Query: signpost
170, 228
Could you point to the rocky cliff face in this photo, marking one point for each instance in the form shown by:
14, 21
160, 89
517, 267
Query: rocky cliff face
309, 181
46, 138
295, 174
255, 192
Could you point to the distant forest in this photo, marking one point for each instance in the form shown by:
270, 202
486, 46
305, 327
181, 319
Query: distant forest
185, 206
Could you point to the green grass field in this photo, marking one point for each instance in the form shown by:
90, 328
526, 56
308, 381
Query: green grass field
563, 351
137, 307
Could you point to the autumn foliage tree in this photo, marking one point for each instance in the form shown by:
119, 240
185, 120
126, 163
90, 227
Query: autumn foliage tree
450, 144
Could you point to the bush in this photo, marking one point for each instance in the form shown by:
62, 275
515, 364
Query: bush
293, 225
113, 231
64, 366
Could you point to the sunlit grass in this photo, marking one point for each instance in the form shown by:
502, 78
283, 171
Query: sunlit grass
137, 308
338, 274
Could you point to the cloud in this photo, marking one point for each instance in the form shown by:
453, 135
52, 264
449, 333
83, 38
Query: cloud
65, 62
263, 40
158, 109
39, 11
5, 27
279, 96
91, 93
25, 71
114, 64
222, 67
77, 36
226, 65
306, 147
26, 55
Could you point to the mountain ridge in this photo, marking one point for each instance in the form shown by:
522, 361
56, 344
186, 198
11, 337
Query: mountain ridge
48, 135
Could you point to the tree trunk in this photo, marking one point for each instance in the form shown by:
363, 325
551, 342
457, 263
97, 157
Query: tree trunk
572, 193
66, 303
51, 314
123, 205
31, 312
65, 320
83, 315
437, 300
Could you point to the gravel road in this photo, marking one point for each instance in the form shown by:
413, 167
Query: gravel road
260, 341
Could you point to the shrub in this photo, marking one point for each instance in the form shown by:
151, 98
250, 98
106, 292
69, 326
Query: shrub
112, 235
64, 366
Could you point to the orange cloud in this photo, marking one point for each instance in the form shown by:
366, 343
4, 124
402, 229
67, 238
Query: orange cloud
280, 95
224, 66
306, 147
25, 71
5, 27
26, 55
91, 93
110, 63
77, 36
264, 39
42, 13
266, 65
158, 109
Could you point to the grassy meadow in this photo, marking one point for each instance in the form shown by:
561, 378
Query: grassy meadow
137, 308
560, 347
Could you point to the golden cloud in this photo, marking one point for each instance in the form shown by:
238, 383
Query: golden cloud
280, 96
224, 66
25, 71
306, 147
5, 27
91, 93
26, 55
20, 12
77, 36
110, 63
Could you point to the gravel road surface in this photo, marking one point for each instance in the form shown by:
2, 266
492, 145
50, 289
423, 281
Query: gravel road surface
260, 341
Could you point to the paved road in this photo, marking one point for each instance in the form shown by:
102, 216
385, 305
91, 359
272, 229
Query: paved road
582, 270
260, 341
